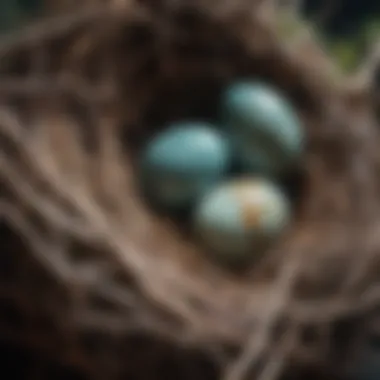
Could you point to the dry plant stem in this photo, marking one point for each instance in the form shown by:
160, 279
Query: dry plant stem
45, 86
278, 359
368, 215
370, 65
48, 30
48, 255
336, 308
48, 208
259, 341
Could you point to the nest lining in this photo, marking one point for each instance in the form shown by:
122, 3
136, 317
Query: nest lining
72, 119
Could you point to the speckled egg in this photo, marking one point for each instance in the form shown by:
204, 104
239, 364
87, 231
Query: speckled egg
266, 131
182, 162
240, 218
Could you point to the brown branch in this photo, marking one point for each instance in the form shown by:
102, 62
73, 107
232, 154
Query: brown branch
260, 339
370, 65
277, 361
52, 28
31, 87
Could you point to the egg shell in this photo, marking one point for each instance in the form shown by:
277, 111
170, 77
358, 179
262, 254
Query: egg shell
241, 218
183, 161
267, 132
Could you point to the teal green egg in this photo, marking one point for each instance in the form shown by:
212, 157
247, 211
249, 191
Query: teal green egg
239, 219
181, 163
266, 131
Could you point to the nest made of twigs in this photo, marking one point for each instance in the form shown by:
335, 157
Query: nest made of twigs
95, 278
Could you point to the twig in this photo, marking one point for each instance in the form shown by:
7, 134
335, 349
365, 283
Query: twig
326, 311
370, 64
259, 341
46, 207
51, 28
46, 253
50, 86
277, 361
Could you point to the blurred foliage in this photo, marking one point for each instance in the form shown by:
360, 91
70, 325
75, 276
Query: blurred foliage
346, 48
15, 13
341, 17
349, 49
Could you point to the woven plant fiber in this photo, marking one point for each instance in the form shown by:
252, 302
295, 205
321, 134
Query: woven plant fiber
93, 280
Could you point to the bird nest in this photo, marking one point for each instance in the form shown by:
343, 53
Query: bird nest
94, 280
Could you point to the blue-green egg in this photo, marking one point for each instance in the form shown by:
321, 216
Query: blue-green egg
182, 162
266, 131
241, 218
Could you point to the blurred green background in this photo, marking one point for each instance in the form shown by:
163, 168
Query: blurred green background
349, 27
15, 13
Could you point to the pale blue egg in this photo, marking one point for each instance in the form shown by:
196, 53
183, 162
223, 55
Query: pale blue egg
182, 162
266, 131
241, 218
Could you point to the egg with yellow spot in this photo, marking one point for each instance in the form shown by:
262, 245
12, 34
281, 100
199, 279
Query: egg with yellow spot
241, 218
